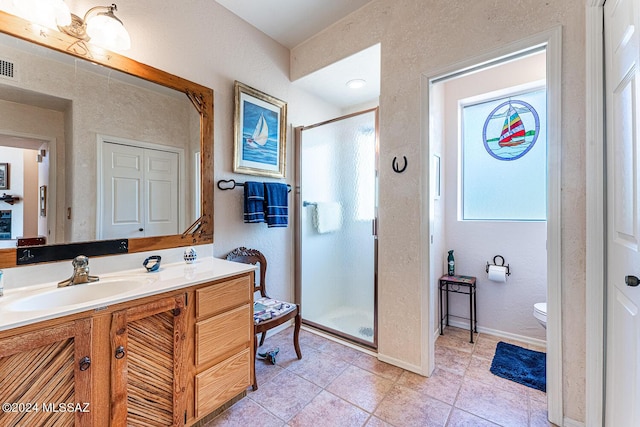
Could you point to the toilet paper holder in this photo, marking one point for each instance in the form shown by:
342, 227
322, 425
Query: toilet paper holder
499, 265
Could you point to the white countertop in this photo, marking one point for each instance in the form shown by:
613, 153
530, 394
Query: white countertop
170, 277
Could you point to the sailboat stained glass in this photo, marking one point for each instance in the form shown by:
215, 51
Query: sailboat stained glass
504, 155
511, 130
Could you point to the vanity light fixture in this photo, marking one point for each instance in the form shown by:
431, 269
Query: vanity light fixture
101, 26
356, 83
48, 13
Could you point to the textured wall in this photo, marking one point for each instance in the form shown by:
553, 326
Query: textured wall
121, 110
204, 42
420, 37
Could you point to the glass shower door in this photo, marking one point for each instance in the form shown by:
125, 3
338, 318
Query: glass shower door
336, 226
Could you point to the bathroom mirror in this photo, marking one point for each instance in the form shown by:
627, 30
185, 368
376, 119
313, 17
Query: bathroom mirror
79, 109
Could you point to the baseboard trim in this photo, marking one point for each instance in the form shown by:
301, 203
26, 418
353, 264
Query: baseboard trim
568, 422
436, 334
501, 334
401, 364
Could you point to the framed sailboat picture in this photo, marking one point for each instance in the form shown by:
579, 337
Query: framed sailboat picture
260, 123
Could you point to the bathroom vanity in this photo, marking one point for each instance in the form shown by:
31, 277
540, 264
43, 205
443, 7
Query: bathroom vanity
170, 352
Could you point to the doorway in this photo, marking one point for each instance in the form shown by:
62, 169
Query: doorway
140, 189
31, 164
549, 43
336, 226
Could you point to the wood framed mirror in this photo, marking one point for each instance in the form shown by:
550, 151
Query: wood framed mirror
195, 227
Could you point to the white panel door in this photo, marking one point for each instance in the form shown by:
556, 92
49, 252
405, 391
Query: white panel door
161, 195
140, 192
123, 183
623, 228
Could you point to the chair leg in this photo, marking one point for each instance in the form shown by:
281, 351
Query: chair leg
262, 337
296, 334
254, 386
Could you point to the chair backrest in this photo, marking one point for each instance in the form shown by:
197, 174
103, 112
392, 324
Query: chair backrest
255, 257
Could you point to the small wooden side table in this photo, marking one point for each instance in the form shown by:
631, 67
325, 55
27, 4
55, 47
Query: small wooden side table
460, 285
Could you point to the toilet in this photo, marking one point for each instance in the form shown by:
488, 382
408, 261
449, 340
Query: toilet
540, 313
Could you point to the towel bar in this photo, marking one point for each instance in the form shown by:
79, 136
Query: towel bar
234, 184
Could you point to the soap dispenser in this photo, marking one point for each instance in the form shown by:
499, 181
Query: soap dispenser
451, 266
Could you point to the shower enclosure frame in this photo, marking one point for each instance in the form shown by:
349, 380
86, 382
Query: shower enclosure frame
298, 229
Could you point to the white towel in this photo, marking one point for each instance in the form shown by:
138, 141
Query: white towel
327, 217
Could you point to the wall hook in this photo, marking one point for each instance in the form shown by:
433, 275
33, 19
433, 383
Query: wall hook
396, 168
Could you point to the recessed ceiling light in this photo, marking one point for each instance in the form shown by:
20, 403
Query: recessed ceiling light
356, 83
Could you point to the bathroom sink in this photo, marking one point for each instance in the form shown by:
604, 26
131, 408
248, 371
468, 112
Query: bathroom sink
77, 294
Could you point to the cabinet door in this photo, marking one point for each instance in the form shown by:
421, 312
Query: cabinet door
148, 380
46, 375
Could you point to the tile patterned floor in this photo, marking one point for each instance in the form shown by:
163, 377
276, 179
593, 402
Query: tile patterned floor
334, 385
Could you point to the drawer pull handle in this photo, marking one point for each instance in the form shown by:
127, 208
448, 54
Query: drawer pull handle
84, 363
119, 352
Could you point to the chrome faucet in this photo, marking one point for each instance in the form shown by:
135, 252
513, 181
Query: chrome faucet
80, 273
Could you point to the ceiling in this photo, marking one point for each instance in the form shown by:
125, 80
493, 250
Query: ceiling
291, 22
330, 83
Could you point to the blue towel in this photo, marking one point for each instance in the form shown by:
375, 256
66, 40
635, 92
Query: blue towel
253, 202
276, 200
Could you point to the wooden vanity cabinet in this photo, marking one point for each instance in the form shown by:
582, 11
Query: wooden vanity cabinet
168, 359
223, 342
45, 376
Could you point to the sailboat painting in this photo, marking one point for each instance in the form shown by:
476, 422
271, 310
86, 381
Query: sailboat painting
511, 130
259, 135
260, 124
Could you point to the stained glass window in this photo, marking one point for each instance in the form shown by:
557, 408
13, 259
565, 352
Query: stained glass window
504, 158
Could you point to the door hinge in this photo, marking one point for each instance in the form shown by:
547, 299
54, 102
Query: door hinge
186, 299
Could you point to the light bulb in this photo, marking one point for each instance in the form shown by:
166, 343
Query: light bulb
356, 83
108, 33
48, 13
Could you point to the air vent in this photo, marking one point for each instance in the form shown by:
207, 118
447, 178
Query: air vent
7, 69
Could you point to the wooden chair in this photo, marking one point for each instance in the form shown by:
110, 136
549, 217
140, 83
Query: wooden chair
262, 323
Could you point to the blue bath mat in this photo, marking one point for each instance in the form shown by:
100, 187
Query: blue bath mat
523, 366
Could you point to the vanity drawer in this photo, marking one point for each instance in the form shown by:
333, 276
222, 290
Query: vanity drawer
222, 382
220, 334
223, 296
